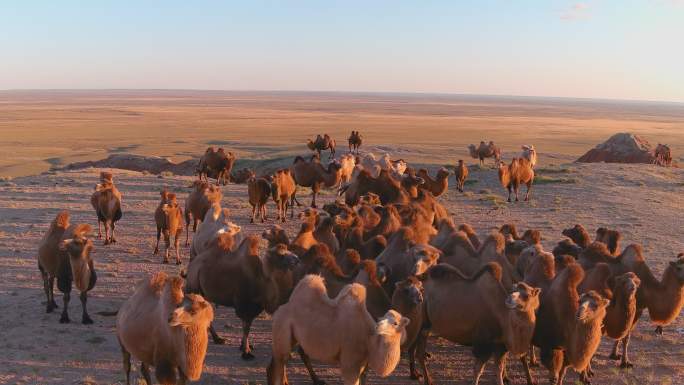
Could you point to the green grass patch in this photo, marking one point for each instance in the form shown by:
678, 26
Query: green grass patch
545, 179
470, 182
496, 200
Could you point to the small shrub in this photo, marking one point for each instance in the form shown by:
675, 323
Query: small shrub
166, 174
543, 179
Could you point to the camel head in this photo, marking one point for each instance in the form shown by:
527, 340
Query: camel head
577, 233
391, 324
78, 248
194, 310
280, 258
310, 215
229, 228
591, 307
423, 257
567, 246
678, 267
334, 208
310, 144
346, 217
275, 235
411, 290
371, 199
523, 298
514, 248
627, 283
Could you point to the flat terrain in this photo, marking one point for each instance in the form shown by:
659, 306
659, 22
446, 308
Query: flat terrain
43, 129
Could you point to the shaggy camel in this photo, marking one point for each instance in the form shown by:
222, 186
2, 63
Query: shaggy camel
461, 173
324, 234
515, 174
106, 200
347, 167
620, 315
569, 325
217, 164
215, 222
355, 141
64, 254
408, 300
168, 217
242, 176
322, 143
275, 235
400, 260
313, 174
198, 202
567, 247
161, 327
530, 154
258, 190
283, 189
373, 165
243, 280
436, 186
497, 323
485, 151
304, 240
662, 155
359, 342
367, 249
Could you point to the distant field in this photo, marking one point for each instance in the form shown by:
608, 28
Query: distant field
40, 129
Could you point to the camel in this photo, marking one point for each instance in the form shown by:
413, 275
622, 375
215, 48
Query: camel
436, 186
275, 235
106, 200
168, 217
389, 223
373, 166
569, 325
620, 315
355, 141
485, 151
198, 202
347, 166
408, 300
367, 249
470, 232
161, 327
313, 174
64, 255
242, 175
385, 186
512, 176
461, 173
243, 280
216, 163
258, 190
530, 154
369, 216
662, 155
283, 189
567, 247
215, 223
322, 143
496, 323
358, 343
304, 240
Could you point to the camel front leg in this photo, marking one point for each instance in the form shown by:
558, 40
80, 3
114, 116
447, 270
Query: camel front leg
106, 238
528, 373
501, 375
126, 359
85, 318
99, 229
509, 193
254, 208
145, 371
113, 239
421, 344
263, 212
187, 231
156, 247
64, 319
529, 188
214, 336
625, 363
176, 244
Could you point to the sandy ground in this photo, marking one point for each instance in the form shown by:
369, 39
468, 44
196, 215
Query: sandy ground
644, 202
42, 129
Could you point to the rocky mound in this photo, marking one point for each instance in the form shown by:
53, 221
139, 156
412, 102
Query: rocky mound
621, 148
151, 164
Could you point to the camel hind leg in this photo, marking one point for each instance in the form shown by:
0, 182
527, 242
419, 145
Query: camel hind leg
245, 346
176, 245
307, 363
145, 371
529, 187
126, 359
187, 228
156, 248
85, 318
113, 239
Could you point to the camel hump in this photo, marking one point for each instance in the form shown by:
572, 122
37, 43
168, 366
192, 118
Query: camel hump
297, 159
633, 253
157, 281
62, 219
176, 289
493, 268
575, 274
82, 230
354, 293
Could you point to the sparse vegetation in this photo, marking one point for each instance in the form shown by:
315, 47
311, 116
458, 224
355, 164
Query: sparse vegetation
543, 179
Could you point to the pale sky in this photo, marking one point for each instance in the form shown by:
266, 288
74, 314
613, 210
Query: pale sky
623, 49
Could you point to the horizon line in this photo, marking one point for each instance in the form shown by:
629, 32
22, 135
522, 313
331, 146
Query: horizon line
403, 93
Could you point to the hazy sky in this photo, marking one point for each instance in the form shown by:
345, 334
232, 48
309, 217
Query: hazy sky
628, 49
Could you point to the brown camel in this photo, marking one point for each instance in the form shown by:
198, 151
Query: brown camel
242, 175
322, 143
106, 200
162, 327
258, 190
357, 344
496, 324
64, 254
610, 237
243, 280
275, 235
620, 315
485, 150
168, 217
313, 174
579, 235
663, 155
408, 300
283, 189
515, 174
215, 222
198, 202
461, 173
355, 141
217, 164
437, 186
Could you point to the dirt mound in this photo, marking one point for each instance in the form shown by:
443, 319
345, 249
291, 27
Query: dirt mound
152, 164
621, 148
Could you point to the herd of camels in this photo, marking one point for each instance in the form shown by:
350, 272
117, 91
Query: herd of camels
384, 266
